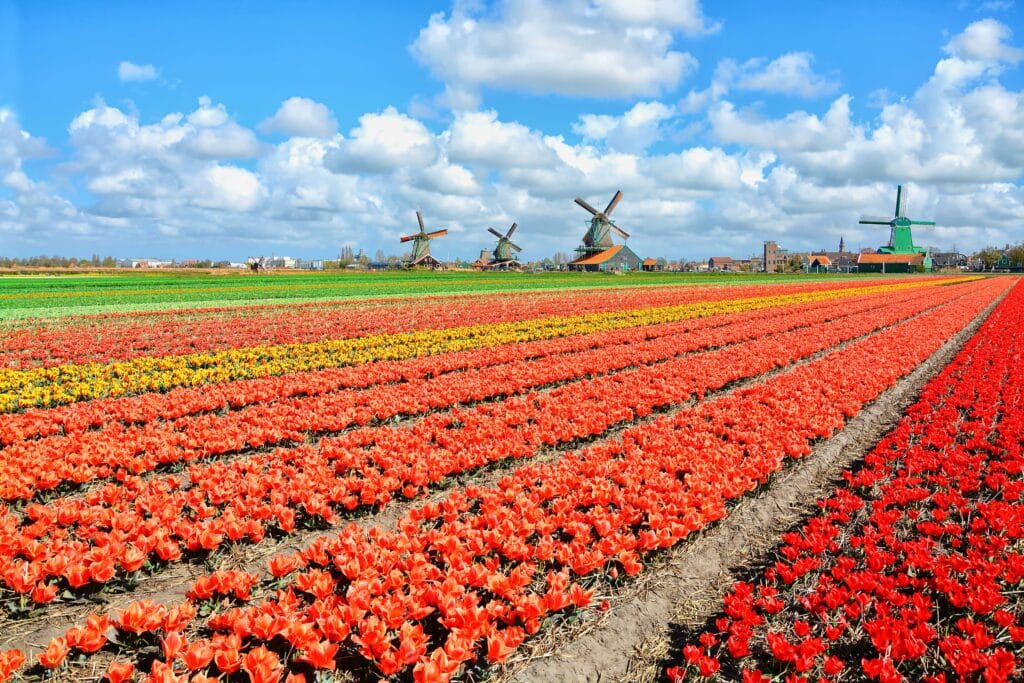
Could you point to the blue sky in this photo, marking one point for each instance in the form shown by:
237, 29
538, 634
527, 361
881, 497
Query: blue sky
222, 130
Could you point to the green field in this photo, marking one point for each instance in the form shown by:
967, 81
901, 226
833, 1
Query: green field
45, 296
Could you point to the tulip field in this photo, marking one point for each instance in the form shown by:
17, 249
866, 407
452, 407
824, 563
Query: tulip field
406, 489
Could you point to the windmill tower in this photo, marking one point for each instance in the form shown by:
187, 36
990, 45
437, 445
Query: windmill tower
599, 235
598, 251
901, 241
421, 245
503, 258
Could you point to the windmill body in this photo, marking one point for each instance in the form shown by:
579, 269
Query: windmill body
504, 255
900, 254
598, 251
421, 245
901, 239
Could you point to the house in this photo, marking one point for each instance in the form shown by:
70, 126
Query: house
893, 263
819, 263
652, 265
617, 258
722, 263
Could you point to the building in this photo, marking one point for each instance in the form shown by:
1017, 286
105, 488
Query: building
774, 258
721, 263
949, 260
619, 258
819, 263
652, 265
893, 263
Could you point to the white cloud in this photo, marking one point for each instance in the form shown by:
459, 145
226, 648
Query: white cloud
790, 74
480, 138
127, 71
228, 188
985, 40
384, 142
616, 49
302, 117
634, 131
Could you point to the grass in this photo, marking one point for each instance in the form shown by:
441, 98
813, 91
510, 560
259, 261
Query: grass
78, 294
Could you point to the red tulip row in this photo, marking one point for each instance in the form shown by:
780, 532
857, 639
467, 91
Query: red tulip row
117, 528
78, 417
912, 570
465, 580
120, 337
291, 408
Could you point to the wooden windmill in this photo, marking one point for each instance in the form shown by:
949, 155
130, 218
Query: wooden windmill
503, 257
599, 234
901, 241
421, 245
598, 251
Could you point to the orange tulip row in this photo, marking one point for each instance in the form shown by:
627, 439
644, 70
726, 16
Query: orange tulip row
257, 413
116, 529
101, 339
467, 579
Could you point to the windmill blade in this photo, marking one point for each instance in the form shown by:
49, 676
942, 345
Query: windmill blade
407, 238
495, 233
586, 206
901, 202
613, 203
511, 230
922, 222
515, 246
620, 230
875, 220
419, 217
437, 233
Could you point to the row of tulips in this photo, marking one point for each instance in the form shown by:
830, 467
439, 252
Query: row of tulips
102, 339
464, 581
71, 383
912, 569
79, 417
295, 407
116, 529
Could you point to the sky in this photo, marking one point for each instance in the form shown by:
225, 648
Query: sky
223, 130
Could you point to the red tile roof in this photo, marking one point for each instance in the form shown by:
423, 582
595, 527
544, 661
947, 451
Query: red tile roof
912, 259
600, 257
822, 260
650, 262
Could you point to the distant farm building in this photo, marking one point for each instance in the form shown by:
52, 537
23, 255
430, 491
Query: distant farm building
893, 263
616, 258
721, 263
652, 265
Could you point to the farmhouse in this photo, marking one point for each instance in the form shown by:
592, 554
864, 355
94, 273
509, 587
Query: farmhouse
617, 258
893, 263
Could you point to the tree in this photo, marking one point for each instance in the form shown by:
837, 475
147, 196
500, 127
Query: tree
989, 257
346, 256
1015, 254
380, 256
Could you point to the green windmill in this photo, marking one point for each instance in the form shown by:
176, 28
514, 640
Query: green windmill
421, 245
502, 257
901, 241
599, 234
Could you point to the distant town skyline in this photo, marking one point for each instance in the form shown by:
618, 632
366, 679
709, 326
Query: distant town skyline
199, 131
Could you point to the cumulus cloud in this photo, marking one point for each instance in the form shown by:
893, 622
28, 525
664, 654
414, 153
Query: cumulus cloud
384, 142
633, 131
790, 74
301, 117
985, 40
611, 49
128, 71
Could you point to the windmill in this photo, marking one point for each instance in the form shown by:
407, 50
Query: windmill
502, 257
598, 251
256, 265
421, 244
599, 235
901, 241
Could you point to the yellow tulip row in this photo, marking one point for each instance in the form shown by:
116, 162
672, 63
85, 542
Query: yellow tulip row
64, 384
